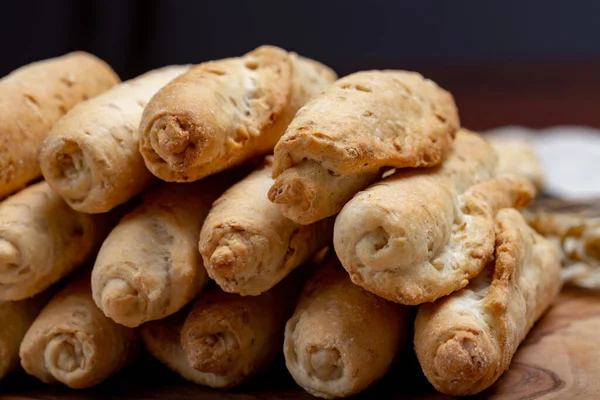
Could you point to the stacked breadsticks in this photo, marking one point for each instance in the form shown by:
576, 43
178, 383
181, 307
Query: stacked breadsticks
223, 213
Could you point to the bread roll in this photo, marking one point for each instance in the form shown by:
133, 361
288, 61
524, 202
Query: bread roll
221, 113
466, 340
230, 338
247, 245
339, 141
42, 240
149, 266
162, 340
73, 343
429, 242
16, 319
91, 156
422, 234
32, 99
341, 338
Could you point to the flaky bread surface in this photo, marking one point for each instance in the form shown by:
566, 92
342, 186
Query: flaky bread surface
466, 340
91, 156
248, 245
32, 99
341, 139
222, 113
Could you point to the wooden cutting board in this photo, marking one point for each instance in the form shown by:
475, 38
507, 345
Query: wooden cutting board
559, 360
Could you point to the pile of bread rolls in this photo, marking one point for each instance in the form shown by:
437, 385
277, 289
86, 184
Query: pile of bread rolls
219, 214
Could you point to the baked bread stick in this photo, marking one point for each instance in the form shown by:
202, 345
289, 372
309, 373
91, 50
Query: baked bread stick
248, 245
466, 340
429, 242
341, 139
149, 266
42, 240
91, 156
222, 113
342, 338
422, 234
230, 338
73, 343
32, 99
162, 340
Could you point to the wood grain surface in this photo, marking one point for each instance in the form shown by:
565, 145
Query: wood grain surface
560, 359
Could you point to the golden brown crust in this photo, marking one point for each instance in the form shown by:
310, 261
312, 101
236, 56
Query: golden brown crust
422, 234
72, 342
465, 341
162, 339
16, 319
442, 241
308, 193
248, 246
342, 137
230, 338
91, 156
42, 240
341, 338
32, 99
226, 112
371, 119
149, 266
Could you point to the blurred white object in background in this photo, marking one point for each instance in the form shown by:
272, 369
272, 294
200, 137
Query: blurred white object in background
570, 156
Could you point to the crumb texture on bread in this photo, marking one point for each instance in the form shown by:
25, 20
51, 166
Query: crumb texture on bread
466, 340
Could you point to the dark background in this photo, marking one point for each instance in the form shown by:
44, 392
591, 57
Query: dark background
530, 62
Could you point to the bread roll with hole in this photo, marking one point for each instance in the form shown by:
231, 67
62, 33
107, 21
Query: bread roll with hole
222, 113
42, 240
162, 340
16, 319
422, 234
91, 156
466, 340
149, 266
230, 338
248, 245
339, 141
32, 99
517, 156
342, 338
73, 343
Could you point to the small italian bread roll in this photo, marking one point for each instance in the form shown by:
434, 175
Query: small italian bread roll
73, 343
16, 319
32, 99
465, 341
42, 240
341, 139
230, 338
415, 240
422, 234
248, 245
222, 113
342, 338
162, 340
149, 265
91, 156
